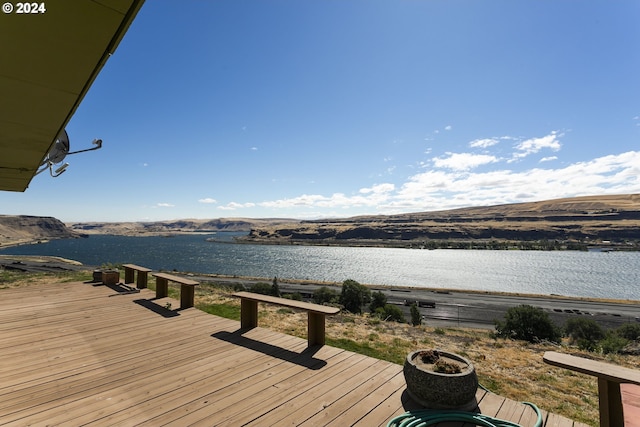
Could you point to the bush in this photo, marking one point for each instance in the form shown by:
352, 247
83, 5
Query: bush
297, 296
325, 295
261, 288
528, 323
416, 319
613, 343
237, 287
629, 331
585, 332
390, 312
354, 296
378, 300
275, 288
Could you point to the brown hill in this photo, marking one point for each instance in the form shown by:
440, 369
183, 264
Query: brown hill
174, 226
590, 220
24, 229
593, 219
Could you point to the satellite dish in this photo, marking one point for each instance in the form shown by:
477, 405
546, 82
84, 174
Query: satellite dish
60, 148
59, 151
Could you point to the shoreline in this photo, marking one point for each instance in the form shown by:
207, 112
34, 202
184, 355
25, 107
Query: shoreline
438, 307
78, 265
374, 287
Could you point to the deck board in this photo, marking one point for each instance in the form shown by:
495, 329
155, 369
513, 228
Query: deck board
80, 354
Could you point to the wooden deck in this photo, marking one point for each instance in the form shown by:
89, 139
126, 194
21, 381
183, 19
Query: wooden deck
79, 354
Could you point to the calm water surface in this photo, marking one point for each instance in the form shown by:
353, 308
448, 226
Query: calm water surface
588, 274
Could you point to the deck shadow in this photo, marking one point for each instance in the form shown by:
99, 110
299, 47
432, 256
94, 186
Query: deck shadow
120, 288
305, 358
162, 311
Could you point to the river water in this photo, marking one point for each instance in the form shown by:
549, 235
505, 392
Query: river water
571, 273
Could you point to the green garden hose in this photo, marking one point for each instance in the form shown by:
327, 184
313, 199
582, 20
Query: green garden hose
428, 417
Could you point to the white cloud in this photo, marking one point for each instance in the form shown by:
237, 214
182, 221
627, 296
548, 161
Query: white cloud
378, 189
254, 148
450, 188
548, 159
207, 200
614, 174
463, 161
533, 145
233, 206
448, 127
483, 143
165, 205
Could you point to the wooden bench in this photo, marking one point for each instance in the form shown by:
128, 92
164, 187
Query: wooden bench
316, 313
618, 387
129, 275
187, 288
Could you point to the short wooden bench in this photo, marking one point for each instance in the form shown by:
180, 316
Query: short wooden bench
316, 313
618, 387
187, 288
129, 275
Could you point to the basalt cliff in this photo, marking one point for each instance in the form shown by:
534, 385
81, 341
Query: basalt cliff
565, 223
18, 229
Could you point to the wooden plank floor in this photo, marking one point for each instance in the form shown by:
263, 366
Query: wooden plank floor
80, 354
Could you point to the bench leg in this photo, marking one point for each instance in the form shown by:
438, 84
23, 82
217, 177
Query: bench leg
162, 287
141, 283
316, 329
187, 296
128, 275
248, 314
610, 403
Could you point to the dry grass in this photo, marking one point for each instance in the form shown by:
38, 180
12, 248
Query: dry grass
513, 369
10, 279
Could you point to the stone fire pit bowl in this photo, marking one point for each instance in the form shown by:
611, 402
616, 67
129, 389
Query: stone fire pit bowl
436, 390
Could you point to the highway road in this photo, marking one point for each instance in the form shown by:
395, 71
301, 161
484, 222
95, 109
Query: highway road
472, 309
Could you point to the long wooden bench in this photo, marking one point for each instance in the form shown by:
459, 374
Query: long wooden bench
316, 313
187, 288
129, 275
618, 387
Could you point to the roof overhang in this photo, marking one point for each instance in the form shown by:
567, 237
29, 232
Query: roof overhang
49, 61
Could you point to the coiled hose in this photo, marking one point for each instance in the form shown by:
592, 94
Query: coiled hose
428, 417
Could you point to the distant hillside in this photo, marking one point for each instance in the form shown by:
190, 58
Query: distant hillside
590, 220
566, 223
25, 229
174, 226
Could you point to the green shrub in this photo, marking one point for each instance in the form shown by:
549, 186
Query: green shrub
630, 331
416, 319
297, 296
613, 343
354, 296
584, 332
237, 287
261, 288
325, 295
390, 312
275, 288
378, 299
528, 323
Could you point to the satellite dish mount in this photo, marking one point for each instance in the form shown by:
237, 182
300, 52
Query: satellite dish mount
59, 151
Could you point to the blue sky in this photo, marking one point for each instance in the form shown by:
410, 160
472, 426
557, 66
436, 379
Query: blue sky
311, 109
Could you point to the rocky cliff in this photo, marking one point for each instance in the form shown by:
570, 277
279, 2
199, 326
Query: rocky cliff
597, 219
17, 229
174, 226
